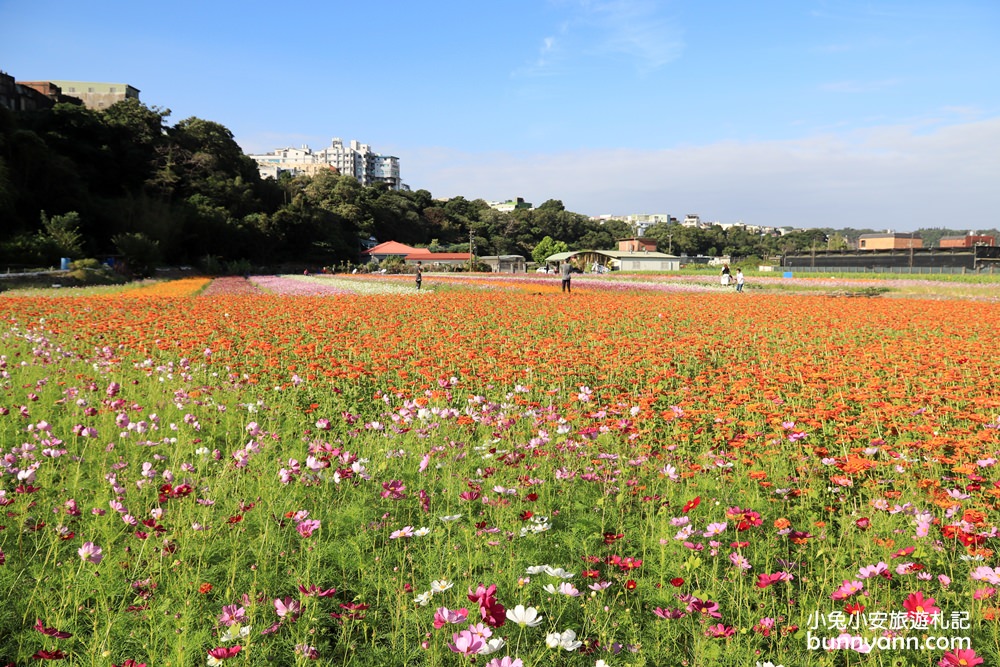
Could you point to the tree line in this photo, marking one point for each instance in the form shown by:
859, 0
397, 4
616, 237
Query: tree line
122, 182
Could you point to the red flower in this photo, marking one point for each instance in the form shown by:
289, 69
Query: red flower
691, 504
42, 654
631, 585
51, 632
863, 523
526, 514
677, 582
917, 606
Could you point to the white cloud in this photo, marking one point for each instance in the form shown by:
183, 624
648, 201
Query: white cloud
632, 29
902, 177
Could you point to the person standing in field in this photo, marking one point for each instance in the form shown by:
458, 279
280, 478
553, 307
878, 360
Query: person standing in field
420, 274
739, 280
724, 277
565, 271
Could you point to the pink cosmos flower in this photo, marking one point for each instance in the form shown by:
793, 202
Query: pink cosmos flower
879, 569
405, 531
668, 613
505, 661
232, 615
963, 657
288, 608
847, 589
307, 527
444, 616
91, 552
719, 630
466, 642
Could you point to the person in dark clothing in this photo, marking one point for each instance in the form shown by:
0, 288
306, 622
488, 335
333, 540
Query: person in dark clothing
420, 274
565, 270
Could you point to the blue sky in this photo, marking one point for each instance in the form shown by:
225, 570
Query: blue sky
786, 112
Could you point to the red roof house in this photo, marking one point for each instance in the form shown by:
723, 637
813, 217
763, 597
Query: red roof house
389, 249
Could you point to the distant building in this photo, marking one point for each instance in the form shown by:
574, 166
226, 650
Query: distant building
510, 205
637, 244
356, 159
617, 260
429, 258
30, 95
93, 94
504, 263
889, 241
967, 241
389, 249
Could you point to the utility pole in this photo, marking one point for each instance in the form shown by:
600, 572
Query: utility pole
472, 251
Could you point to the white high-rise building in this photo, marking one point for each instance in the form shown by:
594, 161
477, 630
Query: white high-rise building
357, 160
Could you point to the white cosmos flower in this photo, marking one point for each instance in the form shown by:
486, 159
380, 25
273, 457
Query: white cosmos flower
234, 632
420, 532
535, 569
441, 585
566, 640
556, 572
451, 517
424, 599
524, 617
492, 646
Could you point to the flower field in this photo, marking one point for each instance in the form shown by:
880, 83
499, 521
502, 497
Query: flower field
324, 470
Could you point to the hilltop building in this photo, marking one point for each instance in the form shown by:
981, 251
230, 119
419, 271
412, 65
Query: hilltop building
355, 159
94, 95
510, 205
36, 95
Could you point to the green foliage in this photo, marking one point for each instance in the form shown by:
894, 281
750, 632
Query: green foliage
140, 253
547, 247
64, 232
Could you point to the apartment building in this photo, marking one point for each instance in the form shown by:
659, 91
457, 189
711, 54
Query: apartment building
355, 159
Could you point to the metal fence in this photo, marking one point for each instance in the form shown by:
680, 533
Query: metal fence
926, 270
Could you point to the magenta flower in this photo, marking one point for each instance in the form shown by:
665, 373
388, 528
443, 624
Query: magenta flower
51, 632
91, 552
217, 655
394, 489
491, 611
231, 615
307, 527
707, 607
313, 590
719, 630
